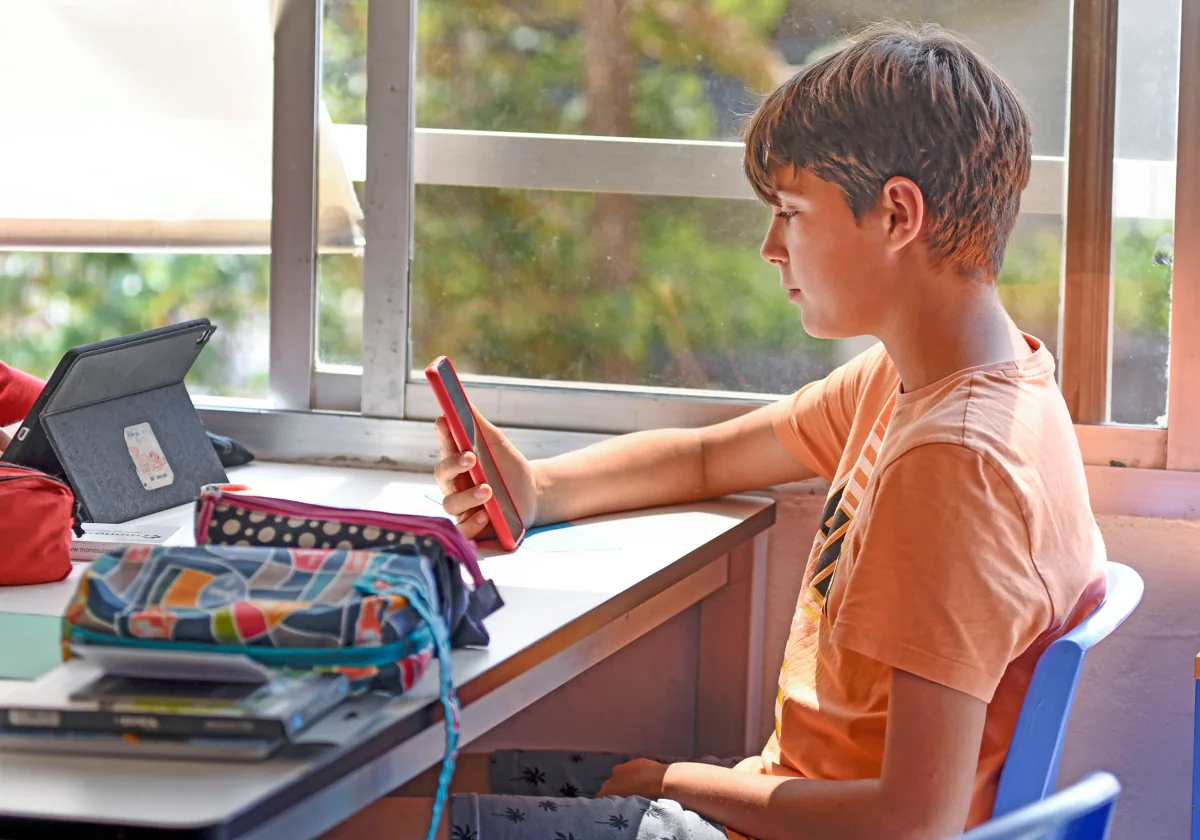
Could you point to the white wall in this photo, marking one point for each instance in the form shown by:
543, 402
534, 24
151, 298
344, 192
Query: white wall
1133, 713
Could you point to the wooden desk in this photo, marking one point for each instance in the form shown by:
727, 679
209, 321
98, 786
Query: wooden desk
606, 582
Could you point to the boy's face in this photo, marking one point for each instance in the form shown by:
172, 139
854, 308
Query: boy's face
832, 266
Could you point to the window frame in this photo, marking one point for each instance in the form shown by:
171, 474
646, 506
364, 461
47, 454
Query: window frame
292, 288
1085, 346
378, 414
1183, 380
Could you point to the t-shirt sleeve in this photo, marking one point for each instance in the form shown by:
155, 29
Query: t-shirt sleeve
814, 423
18, 392
942, 583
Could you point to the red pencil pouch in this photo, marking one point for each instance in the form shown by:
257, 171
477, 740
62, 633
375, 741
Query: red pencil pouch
37, 513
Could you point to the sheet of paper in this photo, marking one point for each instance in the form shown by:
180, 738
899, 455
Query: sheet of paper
560, 537
566, 536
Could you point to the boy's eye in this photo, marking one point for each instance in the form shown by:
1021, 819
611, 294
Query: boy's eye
785, 214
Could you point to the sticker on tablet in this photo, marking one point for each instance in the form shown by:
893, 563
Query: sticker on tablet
148, 459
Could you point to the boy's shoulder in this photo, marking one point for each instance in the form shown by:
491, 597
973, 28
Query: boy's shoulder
1011, 415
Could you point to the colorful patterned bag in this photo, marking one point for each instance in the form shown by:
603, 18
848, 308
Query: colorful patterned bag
370, 615
227, 518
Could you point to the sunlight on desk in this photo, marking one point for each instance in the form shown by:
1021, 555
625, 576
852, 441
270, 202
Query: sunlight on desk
407, 496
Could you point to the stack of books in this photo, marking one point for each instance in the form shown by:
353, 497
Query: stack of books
108, 706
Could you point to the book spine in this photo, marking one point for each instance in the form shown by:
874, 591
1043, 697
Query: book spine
144, 723
92, 550
333, 692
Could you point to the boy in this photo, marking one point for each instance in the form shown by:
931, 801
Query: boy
957, 540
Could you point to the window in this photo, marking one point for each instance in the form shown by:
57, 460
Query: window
134, 156
552, 195
344, 93
53, 301
643, 290
1147, 99
137, 189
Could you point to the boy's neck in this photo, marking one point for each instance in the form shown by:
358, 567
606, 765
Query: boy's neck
948, 327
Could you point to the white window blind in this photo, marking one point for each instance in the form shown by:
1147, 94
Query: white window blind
143, 124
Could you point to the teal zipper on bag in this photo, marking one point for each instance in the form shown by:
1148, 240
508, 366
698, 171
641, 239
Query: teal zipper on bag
281, 657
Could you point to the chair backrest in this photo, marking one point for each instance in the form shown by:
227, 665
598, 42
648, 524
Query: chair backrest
1031, 767
1081, 812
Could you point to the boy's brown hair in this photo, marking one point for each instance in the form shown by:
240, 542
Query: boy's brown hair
913, 102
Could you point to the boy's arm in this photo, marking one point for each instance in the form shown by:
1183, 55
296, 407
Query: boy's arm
18, 392
924, 791
665, 466
746, 453
639, 470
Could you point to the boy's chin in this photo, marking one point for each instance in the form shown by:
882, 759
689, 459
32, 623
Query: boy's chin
818, 327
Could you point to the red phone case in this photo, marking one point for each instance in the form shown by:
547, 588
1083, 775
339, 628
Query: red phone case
508, 540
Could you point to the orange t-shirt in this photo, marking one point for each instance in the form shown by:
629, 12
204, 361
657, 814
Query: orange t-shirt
956, 543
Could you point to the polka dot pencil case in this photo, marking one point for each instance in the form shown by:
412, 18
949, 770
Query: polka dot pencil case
225, 518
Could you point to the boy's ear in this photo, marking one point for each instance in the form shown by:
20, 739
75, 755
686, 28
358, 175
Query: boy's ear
902, 208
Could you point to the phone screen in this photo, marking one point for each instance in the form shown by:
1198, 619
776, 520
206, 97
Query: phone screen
491, 472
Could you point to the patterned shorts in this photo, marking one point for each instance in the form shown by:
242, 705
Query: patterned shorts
547, 795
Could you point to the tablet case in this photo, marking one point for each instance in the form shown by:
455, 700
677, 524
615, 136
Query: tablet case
118, 471
123, 427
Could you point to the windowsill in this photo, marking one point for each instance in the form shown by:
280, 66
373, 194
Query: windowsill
340, 438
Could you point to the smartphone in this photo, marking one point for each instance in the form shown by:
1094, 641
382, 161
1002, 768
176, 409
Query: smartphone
468, 437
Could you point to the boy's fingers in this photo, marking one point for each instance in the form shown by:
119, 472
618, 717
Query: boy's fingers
462, 502
472, 525
445, 439
442, 429
448, 470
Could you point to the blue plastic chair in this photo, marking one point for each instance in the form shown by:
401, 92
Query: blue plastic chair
1081, 812
1031, 768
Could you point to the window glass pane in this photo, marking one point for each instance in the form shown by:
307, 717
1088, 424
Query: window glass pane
1144, 207
1030, 280
51, 302
690, 70
344, 92
138, 190
503, 285
665, 291
339, 309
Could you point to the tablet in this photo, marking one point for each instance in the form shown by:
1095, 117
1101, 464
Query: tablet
112, 418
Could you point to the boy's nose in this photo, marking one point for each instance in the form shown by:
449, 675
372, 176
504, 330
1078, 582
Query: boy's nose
772, 249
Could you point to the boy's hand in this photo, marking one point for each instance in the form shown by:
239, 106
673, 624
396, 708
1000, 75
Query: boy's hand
462, 499
5, 440
640, 777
